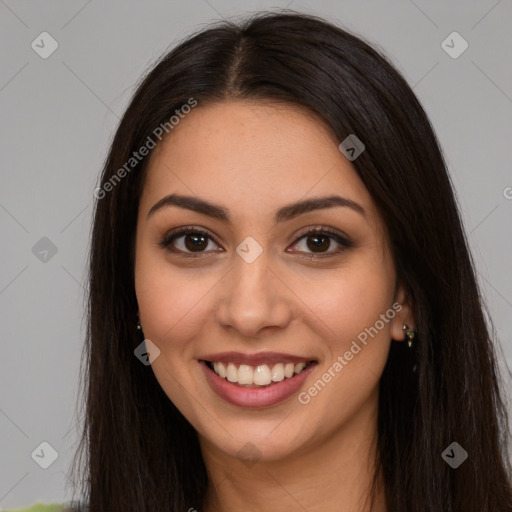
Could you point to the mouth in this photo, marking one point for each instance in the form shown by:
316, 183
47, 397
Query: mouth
263, 375
259, 384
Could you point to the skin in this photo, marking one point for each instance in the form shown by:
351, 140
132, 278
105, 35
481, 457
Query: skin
253, 158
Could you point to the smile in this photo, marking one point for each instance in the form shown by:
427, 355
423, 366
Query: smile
258, 384
262, 375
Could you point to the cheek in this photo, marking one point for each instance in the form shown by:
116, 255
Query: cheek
349, 309
171, 302
171, 309
348, 320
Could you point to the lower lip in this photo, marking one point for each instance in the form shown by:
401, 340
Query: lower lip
255, 397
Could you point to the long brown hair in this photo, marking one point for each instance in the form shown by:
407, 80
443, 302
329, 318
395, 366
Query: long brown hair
141, 454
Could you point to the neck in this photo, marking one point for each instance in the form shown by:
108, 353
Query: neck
335, 473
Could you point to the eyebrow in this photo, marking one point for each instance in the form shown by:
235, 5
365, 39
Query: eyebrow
285, 213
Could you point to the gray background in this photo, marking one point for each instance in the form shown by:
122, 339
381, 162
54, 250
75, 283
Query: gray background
58, 117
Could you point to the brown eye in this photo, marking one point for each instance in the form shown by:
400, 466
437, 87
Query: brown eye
187, 241
196, 242
319, 241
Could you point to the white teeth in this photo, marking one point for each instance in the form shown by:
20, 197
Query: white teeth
278, 372
299, 367
245, 374
289, 370
232, 373
261, 375
221, 370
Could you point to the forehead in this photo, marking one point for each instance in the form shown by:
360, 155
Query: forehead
251, 156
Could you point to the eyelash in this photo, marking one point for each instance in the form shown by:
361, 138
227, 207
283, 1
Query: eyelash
345, 243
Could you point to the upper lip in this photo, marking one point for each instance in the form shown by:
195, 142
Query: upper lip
254, 359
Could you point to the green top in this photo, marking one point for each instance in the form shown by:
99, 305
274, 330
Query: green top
40, 507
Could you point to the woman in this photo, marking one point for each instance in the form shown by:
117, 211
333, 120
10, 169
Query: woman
283, 309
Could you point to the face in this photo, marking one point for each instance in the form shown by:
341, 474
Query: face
245, 276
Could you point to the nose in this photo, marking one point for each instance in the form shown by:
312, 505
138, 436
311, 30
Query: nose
254, 297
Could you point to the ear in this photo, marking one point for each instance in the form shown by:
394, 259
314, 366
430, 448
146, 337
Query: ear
403, 307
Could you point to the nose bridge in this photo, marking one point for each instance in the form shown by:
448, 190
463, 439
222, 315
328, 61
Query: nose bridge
251, 276
253, 297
